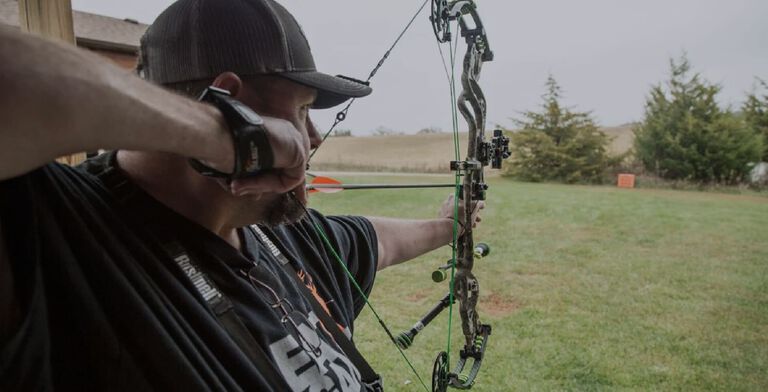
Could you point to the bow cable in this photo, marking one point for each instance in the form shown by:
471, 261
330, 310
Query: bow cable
352, 279
342, 115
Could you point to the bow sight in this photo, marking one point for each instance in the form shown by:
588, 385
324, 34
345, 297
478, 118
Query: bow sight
495, 151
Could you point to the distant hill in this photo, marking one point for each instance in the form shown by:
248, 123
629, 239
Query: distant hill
429, 153
623, 137
410, 153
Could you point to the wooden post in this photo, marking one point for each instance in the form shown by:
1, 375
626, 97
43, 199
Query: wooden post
51, 19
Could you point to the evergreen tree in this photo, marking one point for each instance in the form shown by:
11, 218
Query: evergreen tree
686, 136
755, 111
557, 144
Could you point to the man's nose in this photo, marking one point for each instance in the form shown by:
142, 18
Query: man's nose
315, 139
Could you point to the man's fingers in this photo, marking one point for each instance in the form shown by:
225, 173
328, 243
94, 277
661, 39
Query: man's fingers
479, 205
290, 147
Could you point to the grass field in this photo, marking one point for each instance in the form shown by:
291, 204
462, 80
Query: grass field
589, 288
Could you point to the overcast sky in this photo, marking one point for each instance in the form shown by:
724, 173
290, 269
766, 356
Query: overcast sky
604, 53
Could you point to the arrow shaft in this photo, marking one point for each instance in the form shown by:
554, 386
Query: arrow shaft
377, 186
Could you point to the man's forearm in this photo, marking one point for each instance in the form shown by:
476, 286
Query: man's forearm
58, 100
401, 239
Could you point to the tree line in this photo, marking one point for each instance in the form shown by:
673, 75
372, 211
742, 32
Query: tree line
684, 135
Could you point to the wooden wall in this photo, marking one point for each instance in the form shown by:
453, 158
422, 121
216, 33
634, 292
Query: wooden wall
123, 60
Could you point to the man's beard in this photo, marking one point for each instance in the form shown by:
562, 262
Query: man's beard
283, 210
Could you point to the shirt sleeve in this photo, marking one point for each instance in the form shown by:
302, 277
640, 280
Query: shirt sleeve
357, 238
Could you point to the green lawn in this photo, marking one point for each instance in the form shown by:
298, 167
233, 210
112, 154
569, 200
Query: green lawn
588, 288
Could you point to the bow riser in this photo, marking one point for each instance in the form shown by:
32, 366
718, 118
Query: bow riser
471, 102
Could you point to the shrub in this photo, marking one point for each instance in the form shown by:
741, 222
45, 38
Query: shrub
686, 136
341, 132
429, 130
384, 131
557, 144
755, 111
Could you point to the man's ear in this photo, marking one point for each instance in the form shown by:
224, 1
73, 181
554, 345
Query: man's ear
229, 81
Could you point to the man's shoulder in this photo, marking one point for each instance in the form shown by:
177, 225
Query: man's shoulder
55, 180
316, 231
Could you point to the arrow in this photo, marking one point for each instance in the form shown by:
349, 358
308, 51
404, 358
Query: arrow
330, 185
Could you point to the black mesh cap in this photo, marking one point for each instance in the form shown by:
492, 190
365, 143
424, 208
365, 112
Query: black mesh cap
200, 39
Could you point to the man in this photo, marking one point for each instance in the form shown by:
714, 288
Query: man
142, 269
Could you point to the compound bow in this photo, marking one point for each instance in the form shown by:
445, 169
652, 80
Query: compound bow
480, 153
470, 187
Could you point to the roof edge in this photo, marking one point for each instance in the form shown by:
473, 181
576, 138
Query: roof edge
105, 45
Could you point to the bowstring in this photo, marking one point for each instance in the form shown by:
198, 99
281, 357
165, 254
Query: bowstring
342, 115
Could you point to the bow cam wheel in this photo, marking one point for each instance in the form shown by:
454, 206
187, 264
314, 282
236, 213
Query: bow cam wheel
440, 373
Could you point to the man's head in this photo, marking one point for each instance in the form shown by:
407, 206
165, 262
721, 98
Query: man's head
277, 97
256, 50
197, 40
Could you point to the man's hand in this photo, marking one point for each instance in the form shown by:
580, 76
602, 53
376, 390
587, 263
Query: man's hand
403, 239
447, 209
291, 152
290, 149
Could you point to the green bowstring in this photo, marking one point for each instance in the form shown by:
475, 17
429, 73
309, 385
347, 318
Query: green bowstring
451, 78
368, 303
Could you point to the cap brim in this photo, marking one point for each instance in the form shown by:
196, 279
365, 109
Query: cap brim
331, 90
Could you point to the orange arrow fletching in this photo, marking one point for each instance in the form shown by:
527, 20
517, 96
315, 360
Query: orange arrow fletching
325, 182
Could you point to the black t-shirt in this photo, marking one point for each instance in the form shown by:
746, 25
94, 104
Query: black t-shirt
106, 308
